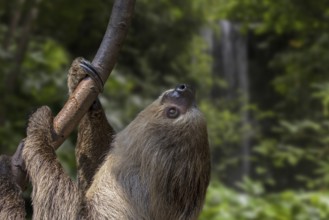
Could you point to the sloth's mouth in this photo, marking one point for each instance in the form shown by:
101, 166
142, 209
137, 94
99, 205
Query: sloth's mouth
183, 95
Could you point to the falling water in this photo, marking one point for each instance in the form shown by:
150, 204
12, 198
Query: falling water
234, 70
229, 52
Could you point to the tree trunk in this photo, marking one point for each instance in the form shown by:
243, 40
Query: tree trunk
11, 79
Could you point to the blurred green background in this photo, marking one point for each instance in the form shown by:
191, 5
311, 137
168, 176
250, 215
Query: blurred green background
260, 68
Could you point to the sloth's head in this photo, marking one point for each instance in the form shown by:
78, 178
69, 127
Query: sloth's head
173, 121
174, 107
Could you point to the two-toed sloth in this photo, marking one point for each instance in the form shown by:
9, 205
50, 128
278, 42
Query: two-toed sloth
157, 168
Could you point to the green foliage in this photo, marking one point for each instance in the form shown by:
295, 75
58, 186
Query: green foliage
277, 16
223, 203
289, 87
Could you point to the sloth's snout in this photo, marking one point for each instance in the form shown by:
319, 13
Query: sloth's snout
182, 95
184, 91
185, 88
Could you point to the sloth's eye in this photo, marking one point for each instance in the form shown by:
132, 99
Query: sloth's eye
172, 112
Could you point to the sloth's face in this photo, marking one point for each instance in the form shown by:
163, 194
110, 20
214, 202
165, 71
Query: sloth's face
178, 101
174, 111
171, 122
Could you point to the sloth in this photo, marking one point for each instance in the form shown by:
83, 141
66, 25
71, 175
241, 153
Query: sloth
158, 167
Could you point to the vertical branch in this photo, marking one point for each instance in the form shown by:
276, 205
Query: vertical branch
104, 62
107, 54
16, 12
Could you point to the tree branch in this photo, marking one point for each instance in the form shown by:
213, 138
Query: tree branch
87, 91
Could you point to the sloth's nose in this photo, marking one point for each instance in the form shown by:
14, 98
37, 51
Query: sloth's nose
181, 87
182, 95
185, 88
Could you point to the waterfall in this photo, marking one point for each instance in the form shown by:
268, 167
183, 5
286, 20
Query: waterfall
230, 63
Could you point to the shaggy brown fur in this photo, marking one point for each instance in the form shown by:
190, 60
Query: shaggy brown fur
11, 200
156, 168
